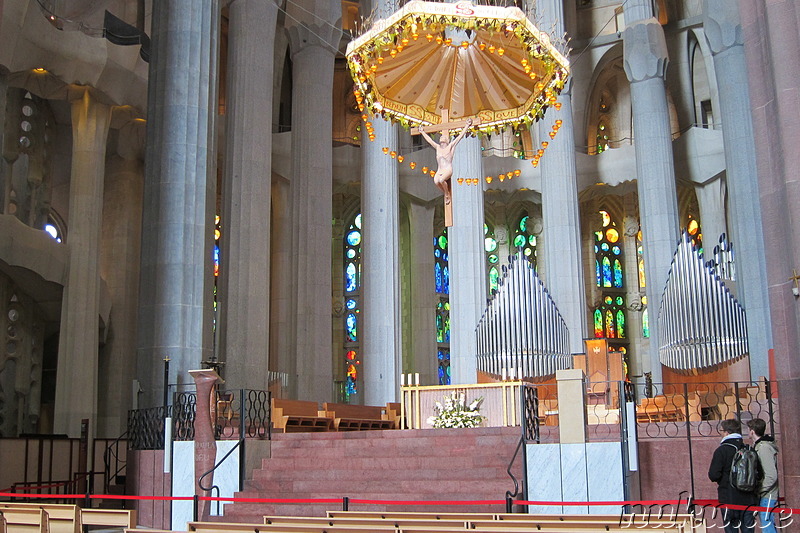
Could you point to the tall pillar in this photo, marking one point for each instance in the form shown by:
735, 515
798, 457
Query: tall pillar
772, 45
467, 262
560, 213
119, 265
245, 243
423, 350
645, 61
382, 326
4, 168
313, 47
281, 357
723, 30
175, 282
76, 374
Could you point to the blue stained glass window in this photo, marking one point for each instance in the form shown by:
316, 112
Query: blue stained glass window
645, 325
351, 281
604, 246
606, 272
616, 250
598, 272
354, 238
351, 304
443, 357
446, 278
437, 253
350, 253
437, 273
617, 273
351, 323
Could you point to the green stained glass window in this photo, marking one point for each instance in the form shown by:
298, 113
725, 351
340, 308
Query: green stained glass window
524, 240
494, 279
645, 324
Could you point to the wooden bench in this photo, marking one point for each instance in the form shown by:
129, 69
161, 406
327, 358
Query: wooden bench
357, 417
299, 415
25, 521
123, 518
61, 518
364, 521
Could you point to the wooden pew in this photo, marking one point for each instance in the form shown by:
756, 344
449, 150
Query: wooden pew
123, 518
357, 417
348, 521
61, 518
25, 520
299, 415
397, 515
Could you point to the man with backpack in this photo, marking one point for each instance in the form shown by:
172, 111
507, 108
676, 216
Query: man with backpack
767, 490
735, 520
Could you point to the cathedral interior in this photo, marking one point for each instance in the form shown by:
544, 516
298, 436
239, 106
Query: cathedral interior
193, 183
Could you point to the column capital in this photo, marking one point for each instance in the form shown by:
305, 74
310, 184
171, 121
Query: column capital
309, 35
722, 25
645, 51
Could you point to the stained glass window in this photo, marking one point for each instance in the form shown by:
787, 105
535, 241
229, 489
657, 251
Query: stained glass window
492, 257
442, 284
640, 260
444, 366
609, 318
217, 235
608, 254
645, 319
352, 312
693, 228
602, 138
525, 240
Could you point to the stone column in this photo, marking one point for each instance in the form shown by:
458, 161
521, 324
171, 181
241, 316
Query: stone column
176, 271
645, 61
4, 170
723, 30
281, 356
245, 243
560, 213
313, 48
381, 322
76, 374
423, 356
773, 64
467, 262
119, 266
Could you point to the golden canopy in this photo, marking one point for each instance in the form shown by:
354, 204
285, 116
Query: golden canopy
487, 63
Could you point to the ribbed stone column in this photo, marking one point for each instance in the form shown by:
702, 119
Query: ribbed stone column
76, 375
174, 310
560, 215
723, 30
313, 47
423, 349
245, 243
380, 209
120, 249
467, 261
281, 356
645, 61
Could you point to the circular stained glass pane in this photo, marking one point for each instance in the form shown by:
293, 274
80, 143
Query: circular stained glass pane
27, 110
437, 253
644, 300
608, 300
523, 223
442, 242
532, 240
351, 253
619, 300
485, 229
616, 250
606, 218
693, 227
357, 221
490, 244
351, 355
604, 246
13, 315
493, 259
519, 241
447, 306
354, 238
528, 252
612, 235
351, 304
24, 142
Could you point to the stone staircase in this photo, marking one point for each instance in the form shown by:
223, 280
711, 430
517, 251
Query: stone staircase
405, 465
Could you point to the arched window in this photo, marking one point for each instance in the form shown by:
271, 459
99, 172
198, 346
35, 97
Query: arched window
352, 307
642, 284
217, 235
608, 254
442, 284
53, 228
492, 258
524, 240
609, 316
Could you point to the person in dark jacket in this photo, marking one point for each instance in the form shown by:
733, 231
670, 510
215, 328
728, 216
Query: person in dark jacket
720, 472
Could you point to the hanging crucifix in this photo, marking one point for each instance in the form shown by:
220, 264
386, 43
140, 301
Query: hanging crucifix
445, 151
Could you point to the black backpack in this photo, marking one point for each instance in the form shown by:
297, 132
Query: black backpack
746, 471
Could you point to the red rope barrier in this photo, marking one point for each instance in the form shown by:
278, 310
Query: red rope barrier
621, 503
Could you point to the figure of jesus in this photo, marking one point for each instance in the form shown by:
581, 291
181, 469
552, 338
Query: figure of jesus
445, 150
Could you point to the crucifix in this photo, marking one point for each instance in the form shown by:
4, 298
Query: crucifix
796, 279
445, 151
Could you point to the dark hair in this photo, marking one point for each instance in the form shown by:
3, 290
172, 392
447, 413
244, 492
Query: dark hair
731, 426
758, 426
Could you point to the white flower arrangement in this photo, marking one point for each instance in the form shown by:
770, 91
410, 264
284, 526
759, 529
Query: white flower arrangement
455, 413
